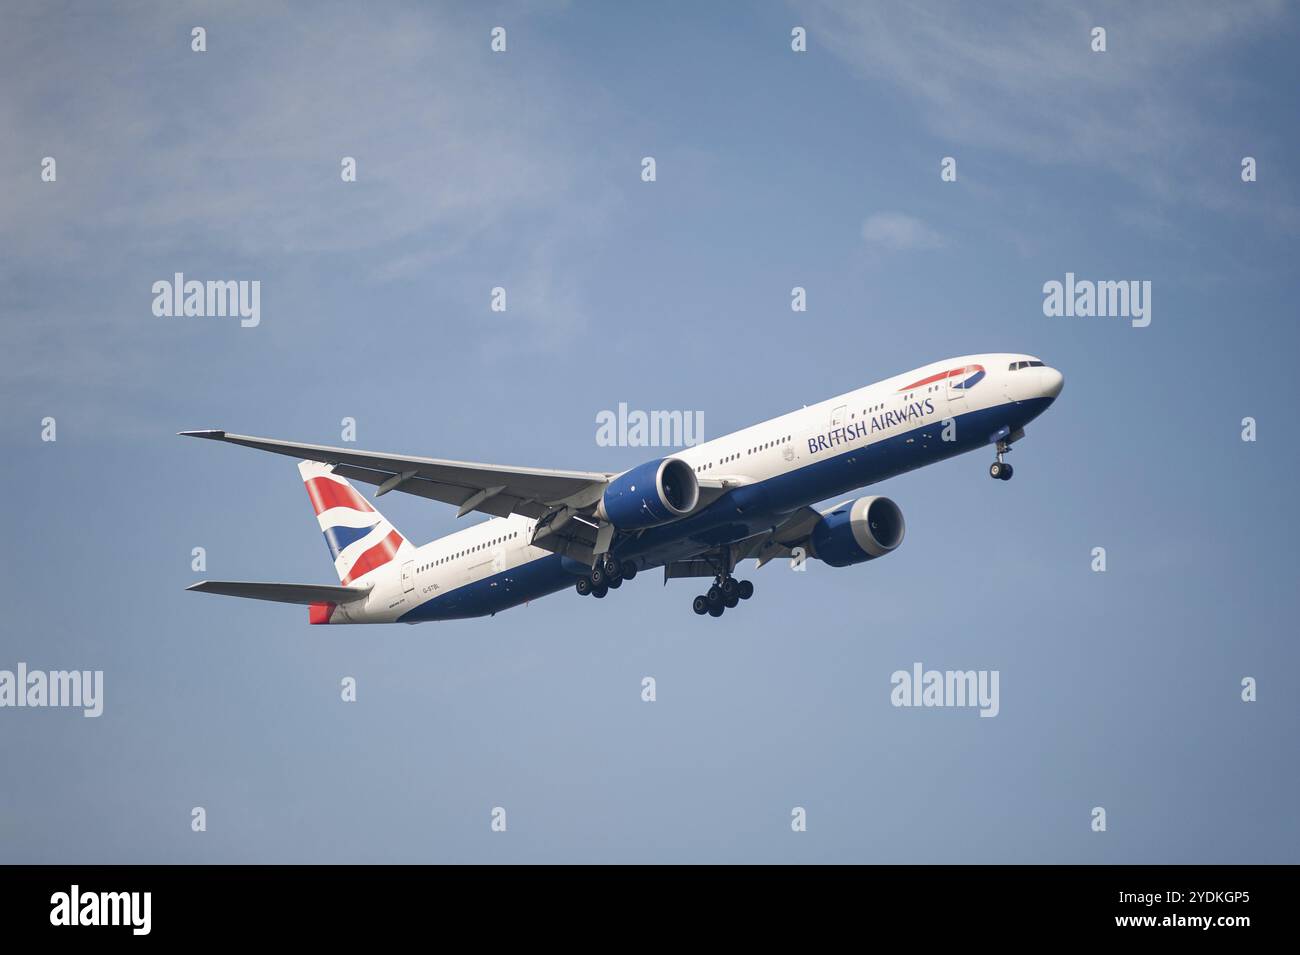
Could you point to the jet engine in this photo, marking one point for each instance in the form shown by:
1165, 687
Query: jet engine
650, 494
861, 530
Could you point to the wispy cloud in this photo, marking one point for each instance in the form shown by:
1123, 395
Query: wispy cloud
170, 159
900, 232
240, 146
1024, 81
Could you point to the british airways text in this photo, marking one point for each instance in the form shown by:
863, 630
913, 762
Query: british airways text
881, 422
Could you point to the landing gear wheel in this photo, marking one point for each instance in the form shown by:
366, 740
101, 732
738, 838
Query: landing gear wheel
629, 570
599, 591
715, 596
715, 611
746, 589
731, 590
700, 605
583, 587
999, 470
612, 567
730, 602
615, 583
598, 577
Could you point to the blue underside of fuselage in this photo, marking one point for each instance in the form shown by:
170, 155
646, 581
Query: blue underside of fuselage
740, 513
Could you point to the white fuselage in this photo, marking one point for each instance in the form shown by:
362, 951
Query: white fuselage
779, 465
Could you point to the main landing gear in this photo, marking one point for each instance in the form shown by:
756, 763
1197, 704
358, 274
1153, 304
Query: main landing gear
608, 574
725, 593
999, 470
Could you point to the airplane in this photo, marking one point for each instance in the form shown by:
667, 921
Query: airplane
697, 513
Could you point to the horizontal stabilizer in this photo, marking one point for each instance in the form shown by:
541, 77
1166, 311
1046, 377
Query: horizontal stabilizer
281, 593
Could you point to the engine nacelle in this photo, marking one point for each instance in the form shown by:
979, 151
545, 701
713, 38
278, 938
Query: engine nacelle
650, 494
867, 528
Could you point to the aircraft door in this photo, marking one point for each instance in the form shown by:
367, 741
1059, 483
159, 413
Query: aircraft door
956, 393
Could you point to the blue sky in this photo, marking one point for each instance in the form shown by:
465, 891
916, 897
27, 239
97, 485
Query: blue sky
522, 170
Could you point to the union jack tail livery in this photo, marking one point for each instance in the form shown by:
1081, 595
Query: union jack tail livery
359, 538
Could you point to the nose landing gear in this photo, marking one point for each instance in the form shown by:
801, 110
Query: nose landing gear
999, 470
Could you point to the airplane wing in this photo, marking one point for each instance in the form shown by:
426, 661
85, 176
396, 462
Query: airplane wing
281, 593
713, 487
776, 542
781, 540
489, 488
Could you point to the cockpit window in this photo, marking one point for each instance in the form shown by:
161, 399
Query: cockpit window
1017, 365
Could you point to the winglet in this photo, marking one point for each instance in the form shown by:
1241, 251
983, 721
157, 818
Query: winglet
214, 435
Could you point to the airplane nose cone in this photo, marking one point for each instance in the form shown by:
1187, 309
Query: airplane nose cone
1053, 382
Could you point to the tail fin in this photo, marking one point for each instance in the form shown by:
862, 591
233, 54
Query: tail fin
359, 539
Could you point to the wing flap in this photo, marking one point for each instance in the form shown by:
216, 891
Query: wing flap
281, 593
781, 540
500, 504
689, 568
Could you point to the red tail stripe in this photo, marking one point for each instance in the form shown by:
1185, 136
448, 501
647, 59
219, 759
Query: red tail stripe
325, 494
377, 556
319, 613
